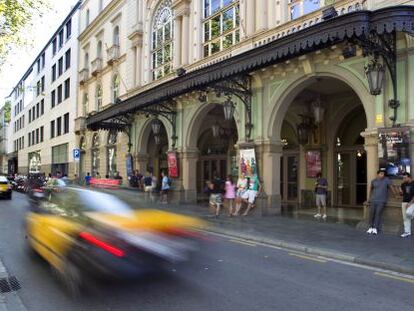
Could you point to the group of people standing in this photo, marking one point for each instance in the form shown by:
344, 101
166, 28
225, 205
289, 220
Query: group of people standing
245, 191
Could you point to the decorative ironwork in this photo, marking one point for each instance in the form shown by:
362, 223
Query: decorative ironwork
384, 44
239, 86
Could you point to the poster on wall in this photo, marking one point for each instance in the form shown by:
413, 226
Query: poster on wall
394, 151
248, 164
172, 165
313, 163
129, 167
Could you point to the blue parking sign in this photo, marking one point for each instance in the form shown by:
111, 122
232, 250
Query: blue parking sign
76, 154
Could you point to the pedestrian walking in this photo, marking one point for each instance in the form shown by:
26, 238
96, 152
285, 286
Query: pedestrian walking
216, 194
321, 190
148, 184
230, 194
254, 188
241, 189
377, 199
165, 187
407, 193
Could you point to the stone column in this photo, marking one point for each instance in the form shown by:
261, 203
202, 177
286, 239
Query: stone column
185, 44
138, 62
271, 155
271, 14
250, 17
371, 148
261, 15
177, 42
136, 46
189, 174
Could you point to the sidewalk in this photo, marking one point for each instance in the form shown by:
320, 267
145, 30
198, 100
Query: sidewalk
332, 240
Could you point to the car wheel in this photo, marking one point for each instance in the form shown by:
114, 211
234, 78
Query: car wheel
71, 278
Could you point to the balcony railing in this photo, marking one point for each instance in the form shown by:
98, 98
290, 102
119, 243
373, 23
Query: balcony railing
96, 66
83, 76
113, 54
80, 125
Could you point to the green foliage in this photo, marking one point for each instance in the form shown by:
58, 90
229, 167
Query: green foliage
15, 17
7, 112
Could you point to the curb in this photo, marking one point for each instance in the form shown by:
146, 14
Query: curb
314, 251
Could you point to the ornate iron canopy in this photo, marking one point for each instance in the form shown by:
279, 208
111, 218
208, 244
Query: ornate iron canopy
373, 30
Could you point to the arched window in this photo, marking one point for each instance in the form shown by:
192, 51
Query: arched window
162, 40
98, 97
111, 153
86, 61
116, 36
99, 49
221, 25
95, 154
115, 88
85, 104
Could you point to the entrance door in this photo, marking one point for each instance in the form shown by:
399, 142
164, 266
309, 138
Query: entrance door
351, 177
289, 177
207, 167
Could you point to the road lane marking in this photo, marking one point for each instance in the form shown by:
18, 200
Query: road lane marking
307, 257
395, 277
242, 242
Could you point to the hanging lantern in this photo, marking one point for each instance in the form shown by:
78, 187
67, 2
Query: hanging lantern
375, 74
156, 126
228, 108
216, 129
318, 110
303, 133
157, 139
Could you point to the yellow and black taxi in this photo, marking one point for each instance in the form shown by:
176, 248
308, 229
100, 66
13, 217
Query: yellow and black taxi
5, 188
83, 232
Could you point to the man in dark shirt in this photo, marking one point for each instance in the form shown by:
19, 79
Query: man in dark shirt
407, 192
216, 194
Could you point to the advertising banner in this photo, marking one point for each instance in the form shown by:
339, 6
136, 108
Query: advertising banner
394, 151
129, 164
313, 163
172, 165
248, 164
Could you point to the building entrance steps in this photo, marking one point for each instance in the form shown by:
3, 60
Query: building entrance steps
299, 232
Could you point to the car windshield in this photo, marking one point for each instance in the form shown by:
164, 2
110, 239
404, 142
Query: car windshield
104, 203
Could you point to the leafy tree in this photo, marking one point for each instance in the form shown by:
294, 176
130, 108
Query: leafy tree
7, 112
15, 17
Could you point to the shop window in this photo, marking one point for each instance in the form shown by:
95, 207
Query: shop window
162, 41
221, 25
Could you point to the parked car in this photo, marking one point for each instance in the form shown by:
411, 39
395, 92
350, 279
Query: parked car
5, 188
88, 233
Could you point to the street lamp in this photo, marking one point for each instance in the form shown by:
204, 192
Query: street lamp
156, 126
318, 110
228, 108
303, 133
375, 74
215, 128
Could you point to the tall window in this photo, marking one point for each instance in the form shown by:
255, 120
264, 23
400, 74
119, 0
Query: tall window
68, 29
111, 153
67, 59
60, 39
60, 66
59, 126
59, 94
297, 8
86, 61
66, 123
53, 99
162, 40
221, 25
100, 5
67, 88
99, 49
87, 18
52, 129
116, 36
85, 104
54, 72
115, 88
99, 97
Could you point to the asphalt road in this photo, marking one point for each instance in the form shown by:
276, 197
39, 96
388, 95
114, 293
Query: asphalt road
227, 275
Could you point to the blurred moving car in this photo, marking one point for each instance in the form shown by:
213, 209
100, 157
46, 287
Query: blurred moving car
82, 231
5, 188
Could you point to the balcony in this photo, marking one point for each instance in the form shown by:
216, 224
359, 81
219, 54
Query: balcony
113, 54
80, 125
83, 76
96, 66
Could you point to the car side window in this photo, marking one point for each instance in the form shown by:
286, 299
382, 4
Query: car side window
61, 204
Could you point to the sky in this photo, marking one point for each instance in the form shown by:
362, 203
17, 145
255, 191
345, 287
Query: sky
20, 60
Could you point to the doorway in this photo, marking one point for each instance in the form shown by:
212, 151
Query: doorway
289, 177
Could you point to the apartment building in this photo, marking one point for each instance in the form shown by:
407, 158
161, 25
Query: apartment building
44, 105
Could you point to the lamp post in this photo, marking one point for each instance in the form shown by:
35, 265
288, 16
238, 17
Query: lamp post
318, 110
156, 126
375, 74
228, 108
157, 139
215, 128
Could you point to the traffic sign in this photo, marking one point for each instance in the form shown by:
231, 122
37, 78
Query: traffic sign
76, 154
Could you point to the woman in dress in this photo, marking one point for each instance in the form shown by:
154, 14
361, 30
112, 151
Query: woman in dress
230, 194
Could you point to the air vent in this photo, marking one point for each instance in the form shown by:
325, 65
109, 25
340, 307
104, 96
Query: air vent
10, 284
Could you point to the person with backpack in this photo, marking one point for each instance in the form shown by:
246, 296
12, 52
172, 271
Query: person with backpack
165, 187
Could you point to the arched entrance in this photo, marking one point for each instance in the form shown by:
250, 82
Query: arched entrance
157, 148
351, 160
111, 154
321, 132
216, 145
